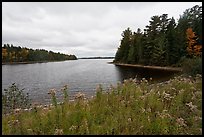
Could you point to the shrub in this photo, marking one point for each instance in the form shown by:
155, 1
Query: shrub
191, 66
14, 98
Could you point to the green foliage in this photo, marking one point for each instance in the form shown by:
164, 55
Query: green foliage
14, 98
123, 50
192, 66
163, 42
132, 107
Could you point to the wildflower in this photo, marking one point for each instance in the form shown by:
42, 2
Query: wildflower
52, 92
86, 126
143, 110
15, 122
9, 123
197, 118
164, 114
167, 96
142, 97
129, 119
64, 88
17, 110
150, 79
71, 100
148, 118
181, 122
59, 103
39, 106
26, 109
79, 96
29, 130
165, 111
58, 132
45, 108
73, 128
182, 90
125, 81
173, 89
191, 106
30, 109
134, 80
198, 75
149, 110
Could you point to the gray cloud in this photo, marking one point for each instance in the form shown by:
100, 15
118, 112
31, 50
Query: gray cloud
83, 29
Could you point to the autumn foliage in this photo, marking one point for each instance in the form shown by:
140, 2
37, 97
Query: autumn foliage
193, 48
12, 53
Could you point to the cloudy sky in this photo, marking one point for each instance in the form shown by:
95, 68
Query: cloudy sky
83, 29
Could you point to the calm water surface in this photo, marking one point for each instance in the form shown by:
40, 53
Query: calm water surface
80, 75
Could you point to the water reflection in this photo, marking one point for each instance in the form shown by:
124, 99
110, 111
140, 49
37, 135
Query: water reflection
139, 73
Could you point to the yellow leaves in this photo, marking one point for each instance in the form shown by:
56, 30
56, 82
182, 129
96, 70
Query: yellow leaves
24, 53
4, 53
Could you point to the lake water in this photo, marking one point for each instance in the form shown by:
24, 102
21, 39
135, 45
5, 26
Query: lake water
80, 75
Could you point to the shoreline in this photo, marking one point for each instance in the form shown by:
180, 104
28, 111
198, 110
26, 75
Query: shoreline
30, 62
177, 69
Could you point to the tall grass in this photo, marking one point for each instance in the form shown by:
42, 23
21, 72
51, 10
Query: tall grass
132, 107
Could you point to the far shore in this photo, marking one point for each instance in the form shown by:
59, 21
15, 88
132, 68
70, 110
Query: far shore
176, 69
29, 62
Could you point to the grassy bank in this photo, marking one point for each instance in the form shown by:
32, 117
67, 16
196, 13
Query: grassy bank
132, 107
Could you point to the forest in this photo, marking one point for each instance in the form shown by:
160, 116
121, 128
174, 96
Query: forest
12, 53
163, 42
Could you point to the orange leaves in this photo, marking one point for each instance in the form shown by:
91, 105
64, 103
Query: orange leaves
193, 48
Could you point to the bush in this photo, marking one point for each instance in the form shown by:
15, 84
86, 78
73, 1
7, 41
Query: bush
14, 98
192, 66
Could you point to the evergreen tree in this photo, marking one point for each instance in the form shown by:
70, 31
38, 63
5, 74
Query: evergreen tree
122, 53
164, 42
172, 48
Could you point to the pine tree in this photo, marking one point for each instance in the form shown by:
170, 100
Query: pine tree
122, 53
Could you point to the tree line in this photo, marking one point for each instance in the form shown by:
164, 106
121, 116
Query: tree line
163, 42
12, 53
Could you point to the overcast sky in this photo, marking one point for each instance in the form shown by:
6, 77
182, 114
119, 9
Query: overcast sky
83, 29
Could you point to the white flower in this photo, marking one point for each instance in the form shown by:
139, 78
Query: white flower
129, 119
58, 132
167, 96
143, 110
17, 110
181, 122
191, 106
79, 95
73, 128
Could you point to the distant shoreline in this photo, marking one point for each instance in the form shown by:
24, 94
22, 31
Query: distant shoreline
97, 58
29, 62
176, 69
